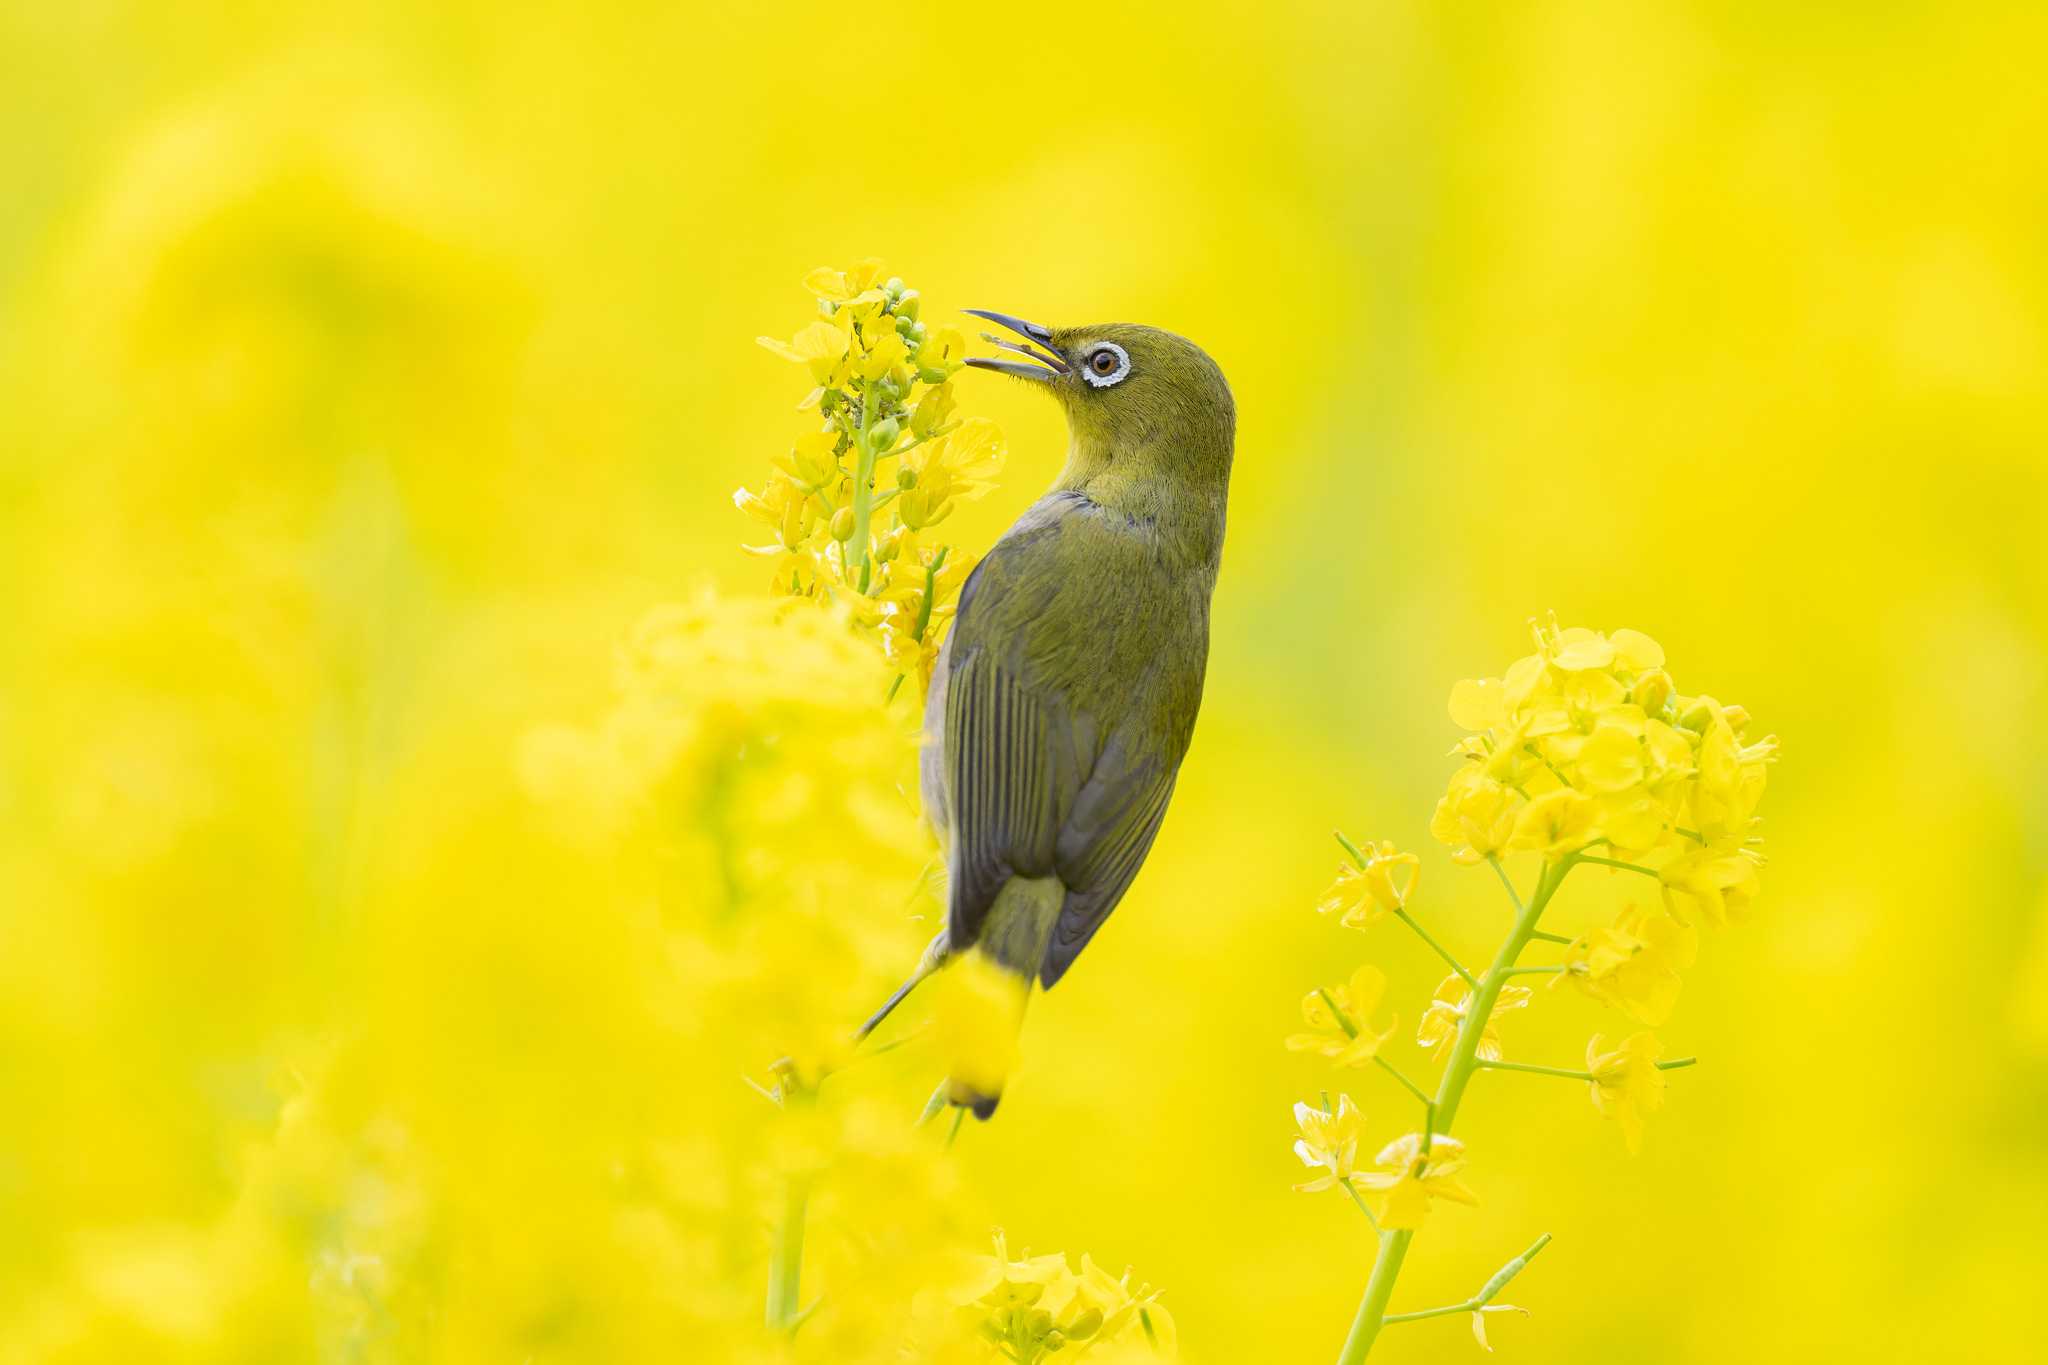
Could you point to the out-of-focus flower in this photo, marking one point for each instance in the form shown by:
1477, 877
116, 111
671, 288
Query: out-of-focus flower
1405, 1183
1715, 883
1033, 1306
1634, 963
1366, 891
1627, 1086
1340, 1019
1328, 1143
1439, 1027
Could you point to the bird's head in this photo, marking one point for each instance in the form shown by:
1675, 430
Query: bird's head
1142, 404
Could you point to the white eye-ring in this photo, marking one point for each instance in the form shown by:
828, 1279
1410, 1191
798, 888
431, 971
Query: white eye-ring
1107, 363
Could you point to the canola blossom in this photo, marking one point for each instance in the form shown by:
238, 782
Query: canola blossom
1583, 754
854, 504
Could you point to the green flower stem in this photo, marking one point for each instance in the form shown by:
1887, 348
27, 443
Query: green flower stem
1359, 1200
1441, 951
1616, 862
1393, 1248
1413, 1089
1487, 1292
1540, 936
786, 1260
857, 565
1536, 971
1493, 861
1574, 1075
931, 576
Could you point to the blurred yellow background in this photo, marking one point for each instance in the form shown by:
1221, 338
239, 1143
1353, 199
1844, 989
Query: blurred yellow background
367, 372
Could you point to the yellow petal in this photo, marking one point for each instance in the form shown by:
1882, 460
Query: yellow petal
1479, 704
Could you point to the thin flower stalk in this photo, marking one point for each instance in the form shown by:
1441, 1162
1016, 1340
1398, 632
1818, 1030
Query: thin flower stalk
1581, 753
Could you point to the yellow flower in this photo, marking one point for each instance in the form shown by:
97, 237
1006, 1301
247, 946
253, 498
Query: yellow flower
1557, 823
962, 463
1405, 1182
1611, 759
1340, 1019
1122, 1311
1037, 1305
943, 352
1731, 777
846, 286
812, 463
932, 410
879, 355
1627, 1085
1479, 704
820, 346
870, 354
1717, 884
1591, 732
1328, 1143
1364, 894
1439, 1028
1633, 964
1476, 815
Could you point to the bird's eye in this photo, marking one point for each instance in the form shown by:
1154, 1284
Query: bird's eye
1106, 364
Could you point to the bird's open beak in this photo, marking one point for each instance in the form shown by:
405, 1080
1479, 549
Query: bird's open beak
1051, 364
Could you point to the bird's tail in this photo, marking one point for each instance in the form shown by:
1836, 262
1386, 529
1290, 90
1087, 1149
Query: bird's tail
983, 994
980, 1013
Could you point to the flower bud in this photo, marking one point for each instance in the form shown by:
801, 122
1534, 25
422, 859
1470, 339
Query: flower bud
1652, 692
932, 376
883, 434
905, 326
906, 307
893, 290
906, 478
842, 524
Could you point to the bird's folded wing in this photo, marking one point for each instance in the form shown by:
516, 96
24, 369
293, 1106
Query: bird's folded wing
1006, 781
1101, 845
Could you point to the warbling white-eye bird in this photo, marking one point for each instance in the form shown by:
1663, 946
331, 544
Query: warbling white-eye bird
1065, 696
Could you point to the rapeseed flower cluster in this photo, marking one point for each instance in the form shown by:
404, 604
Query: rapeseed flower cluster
854, 505
1588, 741
1031, 1307
1582, 753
